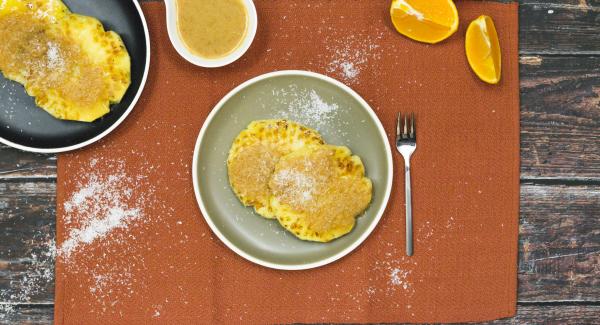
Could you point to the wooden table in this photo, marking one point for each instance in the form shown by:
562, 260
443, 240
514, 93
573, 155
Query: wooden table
559, 242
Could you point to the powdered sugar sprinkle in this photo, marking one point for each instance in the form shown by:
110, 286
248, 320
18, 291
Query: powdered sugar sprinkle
305, 106
105, 213
297, 184
350, 55
398, 277
101, 205
55, 58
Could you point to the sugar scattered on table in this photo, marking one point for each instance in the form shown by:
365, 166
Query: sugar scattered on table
348, 56
398, 277
6, 311
104, 215
101, 204
25, 287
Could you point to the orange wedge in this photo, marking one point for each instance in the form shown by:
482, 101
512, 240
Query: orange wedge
428, 21
483, 49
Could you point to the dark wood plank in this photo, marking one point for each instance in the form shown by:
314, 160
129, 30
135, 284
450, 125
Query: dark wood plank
560, 117
571, 315
559, 27
16, 164
26, 314
559, 243
525, 315
27, 230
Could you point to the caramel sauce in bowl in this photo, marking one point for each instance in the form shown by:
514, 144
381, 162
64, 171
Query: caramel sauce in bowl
211, 33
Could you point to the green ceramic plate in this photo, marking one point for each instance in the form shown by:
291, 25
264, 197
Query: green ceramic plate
338, 113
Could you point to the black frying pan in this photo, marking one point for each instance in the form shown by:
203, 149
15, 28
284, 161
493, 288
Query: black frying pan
25, 126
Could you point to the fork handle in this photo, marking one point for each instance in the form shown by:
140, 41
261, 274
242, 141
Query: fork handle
409, 223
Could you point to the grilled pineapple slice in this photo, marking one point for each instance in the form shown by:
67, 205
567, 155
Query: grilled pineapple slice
317, 192
48, 10
255, 152
68, 62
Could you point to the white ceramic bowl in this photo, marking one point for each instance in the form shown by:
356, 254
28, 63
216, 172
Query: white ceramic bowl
210, 63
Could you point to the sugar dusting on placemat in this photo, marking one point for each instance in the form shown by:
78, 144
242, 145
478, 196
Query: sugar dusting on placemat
101, 206
105, 214
349, 56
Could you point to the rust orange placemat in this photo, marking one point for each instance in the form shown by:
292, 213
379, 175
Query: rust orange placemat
133, 247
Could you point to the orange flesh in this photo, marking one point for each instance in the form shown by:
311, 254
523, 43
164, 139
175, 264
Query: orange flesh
425, 21
483, 49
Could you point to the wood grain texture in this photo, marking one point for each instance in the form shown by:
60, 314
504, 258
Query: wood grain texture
27, 230
560, 117
26, 314
16, 164
572, 315
559, 27
559, 246
559, 315
559, 243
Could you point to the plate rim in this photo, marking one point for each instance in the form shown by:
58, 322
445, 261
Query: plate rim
117, 122
300, 266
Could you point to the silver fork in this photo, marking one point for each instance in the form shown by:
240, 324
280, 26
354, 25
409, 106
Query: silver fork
406, 143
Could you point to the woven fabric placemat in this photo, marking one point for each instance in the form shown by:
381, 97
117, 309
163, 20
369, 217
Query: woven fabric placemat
133, 247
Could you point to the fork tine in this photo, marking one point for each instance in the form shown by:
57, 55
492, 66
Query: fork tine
412, 125
398, 124
405, 134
